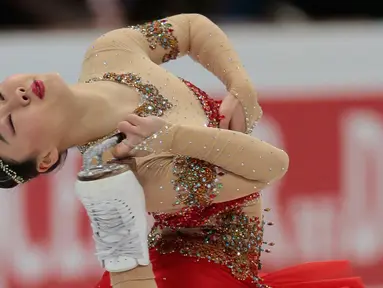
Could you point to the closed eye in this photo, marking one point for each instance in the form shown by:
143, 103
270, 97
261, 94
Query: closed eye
1, 97
3, 140
11, 123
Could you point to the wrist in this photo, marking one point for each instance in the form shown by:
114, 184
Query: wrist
243, 91
160, 141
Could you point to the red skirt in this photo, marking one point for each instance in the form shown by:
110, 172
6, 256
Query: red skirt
175, 271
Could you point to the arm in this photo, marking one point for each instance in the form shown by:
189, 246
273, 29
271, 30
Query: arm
195, 35
233, 151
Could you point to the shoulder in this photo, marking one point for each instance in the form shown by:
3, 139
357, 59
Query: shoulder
110, 52
115, 39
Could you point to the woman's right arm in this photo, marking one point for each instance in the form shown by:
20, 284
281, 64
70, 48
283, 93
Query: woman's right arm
184, 34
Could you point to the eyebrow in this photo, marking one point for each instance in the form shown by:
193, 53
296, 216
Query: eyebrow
1, 136
2, 139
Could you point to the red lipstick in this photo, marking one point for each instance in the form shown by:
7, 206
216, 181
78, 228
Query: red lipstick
38, 88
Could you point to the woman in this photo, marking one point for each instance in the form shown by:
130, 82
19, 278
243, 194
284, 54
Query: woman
201, 184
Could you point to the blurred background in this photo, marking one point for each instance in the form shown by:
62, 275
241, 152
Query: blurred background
318, 67
45, 14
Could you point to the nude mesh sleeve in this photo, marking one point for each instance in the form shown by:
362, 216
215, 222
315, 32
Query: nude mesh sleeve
233, 151
194, 35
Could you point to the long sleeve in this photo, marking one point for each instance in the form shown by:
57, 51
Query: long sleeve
194, 35
235, 152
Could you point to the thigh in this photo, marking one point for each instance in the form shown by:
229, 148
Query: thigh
140, 277
136, 284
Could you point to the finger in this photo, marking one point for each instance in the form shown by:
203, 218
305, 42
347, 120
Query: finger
121, 151
238, 121
124, 154
225, 120
124, 149
135, 119
128, 128
237, 124
224, 123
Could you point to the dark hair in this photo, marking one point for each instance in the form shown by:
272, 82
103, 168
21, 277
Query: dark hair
27, 170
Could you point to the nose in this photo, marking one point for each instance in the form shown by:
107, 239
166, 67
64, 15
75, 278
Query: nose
22, 97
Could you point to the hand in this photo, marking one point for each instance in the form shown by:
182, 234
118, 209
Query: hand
136, 130
234, 116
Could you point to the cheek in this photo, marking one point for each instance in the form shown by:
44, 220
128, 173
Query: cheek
34, 130
38, 136
25, 144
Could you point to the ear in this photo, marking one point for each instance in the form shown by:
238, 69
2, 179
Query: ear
47, 160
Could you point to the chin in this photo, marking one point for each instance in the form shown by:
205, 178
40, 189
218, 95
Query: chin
53, 79
55, 86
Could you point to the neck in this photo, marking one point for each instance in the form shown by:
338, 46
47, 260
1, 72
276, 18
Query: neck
96, 114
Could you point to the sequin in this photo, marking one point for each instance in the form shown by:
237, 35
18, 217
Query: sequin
152, 102
209, 105
250, 122
225, 235
160, 32
196, 182
222, 232
83, 148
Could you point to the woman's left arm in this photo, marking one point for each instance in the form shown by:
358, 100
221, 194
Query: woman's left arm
194, 35
233, 151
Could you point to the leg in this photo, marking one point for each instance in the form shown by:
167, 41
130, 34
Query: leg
141, 277
136, 284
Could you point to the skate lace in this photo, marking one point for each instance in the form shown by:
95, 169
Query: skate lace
114, 231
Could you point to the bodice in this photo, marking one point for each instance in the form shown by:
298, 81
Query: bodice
219, 232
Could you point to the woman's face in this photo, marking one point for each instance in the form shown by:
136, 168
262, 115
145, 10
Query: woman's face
30, 114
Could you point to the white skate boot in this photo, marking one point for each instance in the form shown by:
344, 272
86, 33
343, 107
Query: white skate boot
116, 209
